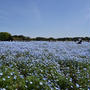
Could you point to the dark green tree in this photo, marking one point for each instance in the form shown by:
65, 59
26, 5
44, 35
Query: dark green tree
5, 36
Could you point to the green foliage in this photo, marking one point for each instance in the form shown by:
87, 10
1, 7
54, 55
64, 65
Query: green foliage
35, 83
77, 72
20, 38
25, 75
10, 79
5, 36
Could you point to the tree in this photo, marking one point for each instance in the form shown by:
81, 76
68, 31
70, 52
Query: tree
5, 36
21, 38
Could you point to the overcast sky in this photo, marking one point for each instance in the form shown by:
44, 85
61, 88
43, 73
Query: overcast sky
45, 18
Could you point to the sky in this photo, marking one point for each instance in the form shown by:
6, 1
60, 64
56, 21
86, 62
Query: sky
45, 18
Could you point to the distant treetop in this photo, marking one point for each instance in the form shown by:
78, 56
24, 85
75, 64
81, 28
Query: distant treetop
5, 36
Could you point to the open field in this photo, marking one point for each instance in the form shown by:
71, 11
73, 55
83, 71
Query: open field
44, 65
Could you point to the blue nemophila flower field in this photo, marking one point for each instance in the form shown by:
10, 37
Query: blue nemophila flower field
44, 66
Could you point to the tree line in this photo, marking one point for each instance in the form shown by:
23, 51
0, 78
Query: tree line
5, 36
